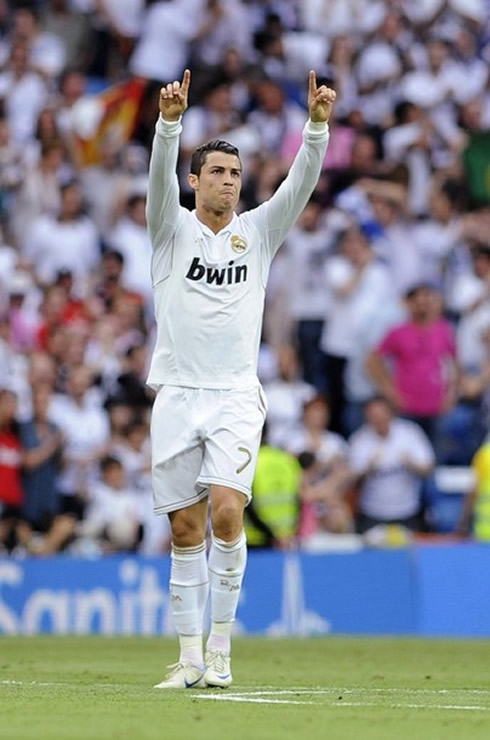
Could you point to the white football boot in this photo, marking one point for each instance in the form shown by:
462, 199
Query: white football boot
183, 675
218, 669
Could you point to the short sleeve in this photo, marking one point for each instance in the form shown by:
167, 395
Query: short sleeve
389, 345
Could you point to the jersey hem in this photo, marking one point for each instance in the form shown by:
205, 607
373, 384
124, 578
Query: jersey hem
157, 384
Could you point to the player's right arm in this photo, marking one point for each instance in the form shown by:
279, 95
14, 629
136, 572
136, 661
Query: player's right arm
162, 205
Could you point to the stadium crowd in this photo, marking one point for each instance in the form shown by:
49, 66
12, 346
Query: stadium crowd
376, 345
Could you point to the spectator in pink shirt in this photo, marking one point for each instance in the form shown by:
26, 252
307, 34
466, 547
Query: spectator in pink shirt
414, 366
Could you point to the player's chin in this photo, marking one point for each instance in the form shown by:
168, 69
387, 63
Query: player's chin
229, 201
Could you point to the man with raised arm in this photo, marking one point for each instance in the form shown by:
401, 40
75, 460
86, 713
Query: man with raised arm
209, 272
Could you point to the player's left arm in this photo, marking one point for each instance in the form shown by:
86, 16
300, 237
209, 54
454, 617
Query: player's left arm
287, 203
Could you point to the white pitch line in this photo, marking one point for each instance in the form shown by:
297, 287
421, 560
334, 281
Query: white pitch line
270, 690
251, 699
247, 699
61, 685
259, 696
470, 707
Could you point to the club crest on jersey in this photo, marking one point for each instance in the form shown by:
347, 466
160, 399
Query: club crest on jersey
238, 244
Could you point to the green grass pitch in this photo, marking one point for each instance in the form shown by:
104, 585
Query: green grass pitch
84, 688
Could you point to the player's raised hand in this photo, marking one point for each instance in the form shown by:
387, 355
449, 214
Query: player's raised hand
320, 100
173, 98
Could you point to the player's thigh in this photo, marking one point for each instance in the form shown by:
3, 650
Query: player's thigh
233, 441
177, 452
172, 428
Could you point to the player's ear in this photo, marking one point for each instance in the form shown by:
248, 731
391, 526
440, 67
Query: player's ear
193, 181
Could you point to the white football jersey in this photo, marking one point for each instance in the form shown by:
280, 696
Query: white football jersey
209, 288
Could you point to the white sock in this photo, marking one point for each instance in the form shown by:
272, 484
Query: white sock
188, 595
227, 561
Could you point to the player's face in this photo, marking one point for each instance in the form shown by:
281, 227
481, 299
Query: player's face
219, 183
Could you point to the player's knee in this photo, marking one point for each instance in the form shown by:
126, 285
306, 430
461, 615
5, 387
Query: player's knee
186, 530
227, 519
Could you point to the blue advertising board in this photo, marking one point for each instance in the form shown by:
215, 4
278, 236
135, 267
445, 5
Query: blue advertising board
428, 590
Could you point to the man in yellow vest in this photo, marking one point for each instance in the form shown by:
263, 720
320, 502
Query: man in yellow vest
476, 507
272, 516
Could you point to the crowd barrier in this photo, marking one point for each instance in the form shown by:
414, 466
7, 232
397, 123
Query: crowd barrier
439, 590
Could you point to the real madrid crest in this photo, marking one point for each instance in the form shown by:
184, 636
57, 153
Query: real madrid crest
238, 244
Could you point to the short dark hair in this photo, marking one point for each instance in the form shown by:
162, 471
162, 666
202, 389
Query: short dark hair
217, 145
108, 462
114, 254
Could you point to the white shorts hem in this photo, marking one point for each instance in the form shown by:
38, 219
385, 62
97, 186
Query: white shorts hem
178, 505
209, 481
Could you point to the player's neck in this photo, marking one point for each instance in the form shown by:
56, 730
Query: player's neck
214, 220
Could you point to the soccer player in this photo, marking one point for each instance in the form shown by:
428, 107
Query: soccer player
209, 271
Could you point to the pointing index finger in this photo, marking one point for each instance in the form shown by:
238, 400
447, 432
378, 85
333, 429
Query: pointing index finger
186, 81
312, 82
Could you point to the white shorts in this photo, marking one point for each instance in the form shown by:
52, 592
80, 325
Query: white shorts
202, 437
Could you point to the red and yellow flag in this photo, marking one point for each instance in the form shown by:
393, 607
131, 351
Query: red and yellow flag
105, 120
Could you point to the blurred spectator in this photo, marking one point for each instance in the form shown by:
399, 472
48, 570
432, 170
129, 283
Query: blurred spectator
42, 443
390, 457
423, 379
313, 435
308, 245
113, 516
40, 191
178, 22
393, 243
323, 501
133, 450
105, 188
72, 86
70, 27
475, 515
24, 92
275, 118
12, 526
225, 22
355, 281
47, 52
66, 242
12, 166
323, 457
130, 237
85, 430
130, 387
286, 397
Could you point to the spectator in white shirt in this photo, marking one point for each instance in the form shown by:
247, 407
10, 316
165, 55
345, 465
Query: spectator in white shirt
24, 92
66, 242
40, 191
312, 434
356, 282
307, 248
286, 397
134, 452
224, 23
395, 244
47, 51
113, 515
177, 23
275, 118
390, 457
130, 237
85, 429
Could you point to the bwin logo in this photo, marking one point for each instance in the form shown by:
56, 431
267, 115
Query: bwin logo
216, 275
